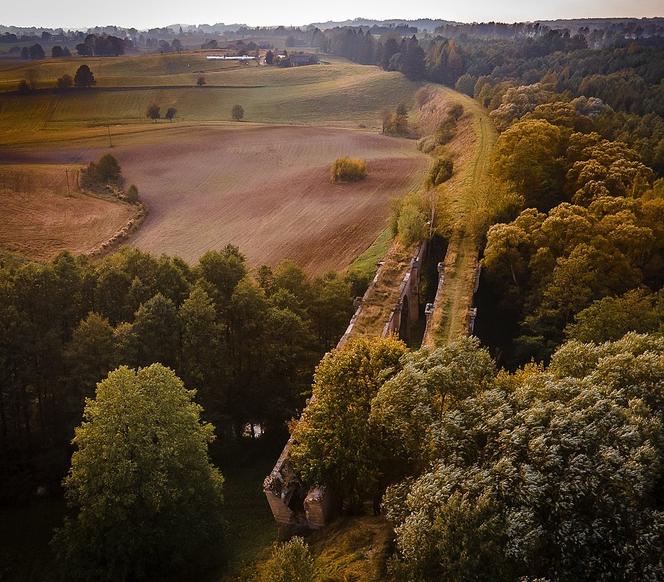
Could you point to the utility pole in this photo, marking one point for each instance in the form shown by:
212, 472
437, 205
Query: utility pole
110, 141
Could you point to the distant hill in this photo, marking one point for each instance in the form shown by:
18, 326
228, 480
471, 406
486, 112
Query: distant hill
422, 24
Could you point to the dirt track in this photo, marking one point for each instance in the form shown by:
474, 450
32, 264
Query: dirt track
265, 189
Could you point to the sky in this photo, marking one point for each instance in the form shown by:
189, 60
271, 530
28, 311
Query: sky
146, 14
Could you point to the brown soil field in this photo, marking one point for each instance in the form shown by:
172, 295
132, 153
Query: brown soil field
265, 189
39, 218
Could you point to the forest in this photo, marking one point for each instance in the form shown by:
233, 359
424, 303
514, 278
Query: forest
247, 343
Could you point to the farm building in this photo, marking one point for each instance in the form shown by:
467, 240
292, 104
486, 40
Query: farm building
297, 60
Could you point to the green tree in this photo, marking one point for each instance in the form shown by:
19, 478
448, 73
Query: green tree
155, 328
90, 355
64, 82
201, 339
170, 113
144, 496
333, 443
541, 474
610, 318
84, 77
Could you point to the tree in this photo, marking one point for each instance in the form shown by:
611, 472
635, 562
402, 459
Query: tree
545, 474
201, 80
57, 52
610, 318
155, 328
269, 57
201, 338
237, 112
153, 112
413, 65
333, 443
145, 497
132, 194
108, 169
170, 113
289, 562
64, 82
84, 77
529, 155
36, 52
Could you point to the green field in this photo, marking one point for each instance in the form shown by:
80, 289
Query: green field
338, 93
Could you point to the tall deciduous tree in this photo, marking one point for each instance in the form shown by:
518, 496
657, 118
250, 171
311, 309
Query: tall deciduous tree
84, 77
144, 496
333, 442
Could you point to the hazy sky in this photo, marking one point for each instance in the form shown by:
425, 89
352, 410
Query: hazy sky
144, 14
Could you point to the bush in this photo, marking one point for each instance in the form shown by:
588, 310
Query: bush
64, 82
441, 171
348, 170
153, 112
289, 562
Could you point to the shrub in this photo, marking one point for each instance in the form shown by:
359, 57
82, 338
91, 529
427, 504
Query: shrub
64, 82
348, 170
412, 224
289, 562
201, 81
441, 171
170, 113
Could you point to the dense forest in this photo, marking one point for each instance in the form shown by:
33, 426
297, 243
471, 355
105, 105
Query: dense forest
247, 343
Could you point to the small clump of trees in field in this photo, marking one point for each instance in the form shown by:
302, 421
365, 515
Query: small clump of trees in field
154, 112
396, 122
106, 174
237, 112
84, 77
348, 169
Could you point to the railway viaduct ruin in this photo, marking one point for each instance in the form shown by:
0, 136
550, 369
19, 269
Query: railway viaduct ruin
295, 508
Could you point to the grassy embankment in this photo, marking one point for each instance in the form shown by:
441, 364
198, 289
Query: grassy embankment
464, 196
